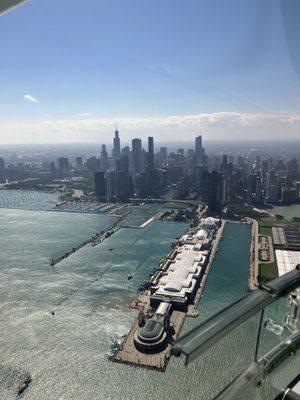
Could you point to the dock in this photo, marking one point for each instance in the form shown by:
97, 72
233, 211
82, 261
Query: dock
129, 354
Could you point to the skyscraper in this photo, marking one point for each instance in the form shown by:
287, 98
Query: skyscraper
117, 146
199, 151
215, 191
79, 163
136, 155
103, 158
163, 155
250, 188
150, 182
150, 152
63, 165
100, 186
258, 197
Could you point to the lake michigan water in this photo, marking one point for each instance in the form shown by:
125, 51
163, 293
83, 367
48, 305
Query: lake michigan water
287, 211
68, 354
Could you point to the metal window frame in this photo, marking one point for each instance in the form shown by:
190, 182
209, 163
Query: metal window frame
215, 328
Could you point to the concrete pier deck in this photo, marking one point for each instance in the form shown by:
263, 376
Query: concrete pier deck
128, 354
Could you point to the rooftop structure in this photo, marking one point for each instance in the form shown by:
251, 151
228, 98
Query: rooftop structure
209, 223
182, 275
279, 238
287, 260
202, 234
179, 281
286, 237
152, 334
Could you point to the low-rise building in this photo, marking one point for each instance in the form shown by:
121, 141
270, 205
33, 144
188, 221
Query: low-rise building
178, 283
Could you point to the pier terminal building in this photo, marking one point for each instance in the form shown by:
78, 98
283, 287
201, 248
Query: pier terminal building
177, 282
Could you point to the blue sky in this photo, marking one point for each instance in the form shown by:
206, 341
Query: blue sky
93, 64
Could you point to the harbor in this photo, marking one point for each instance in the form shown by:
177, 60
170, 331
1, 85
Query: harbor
120, 213
172, 293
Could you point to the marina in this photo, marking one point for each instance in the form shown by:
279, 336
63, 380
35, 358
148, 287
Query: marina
172, 293
117, 211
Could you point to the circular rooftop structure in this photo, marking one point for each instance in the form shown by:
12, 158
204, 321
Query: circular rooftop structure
151, 335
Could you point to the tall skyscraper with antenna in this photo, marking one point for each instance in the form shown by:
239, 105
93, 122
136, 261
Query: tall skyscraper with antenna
117, 146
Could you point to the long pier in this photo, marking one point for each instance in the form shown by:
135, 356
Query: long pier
94, 240
253, 263
129, 354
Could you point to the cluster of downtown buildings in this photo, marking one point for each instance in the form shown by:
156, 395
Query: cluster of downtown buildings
186, 173
216, 180
143, 174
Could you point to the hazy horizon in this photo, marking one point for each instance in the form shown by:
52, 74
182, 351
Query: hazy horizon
178, 143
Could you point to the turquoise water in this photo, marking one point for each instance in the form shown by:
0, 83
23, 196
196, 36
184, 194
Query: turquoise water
68, 353
287, 211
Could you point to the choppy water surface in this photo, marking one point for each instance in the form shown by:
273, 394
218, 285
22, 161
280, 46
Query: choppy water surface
68, 353
28, 199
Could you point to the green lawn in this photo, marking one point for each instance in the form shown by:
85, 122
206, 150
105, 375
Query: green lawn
279, 222
268, 272
265, 230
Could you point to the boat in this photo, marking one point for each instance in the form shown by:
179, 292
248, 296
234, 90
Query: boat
23, 385
143, 286
110, 249
129, 276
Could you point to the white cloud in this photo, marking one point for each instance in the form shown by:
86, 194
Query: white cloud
30, 98
182, 122
219, 125
86, 114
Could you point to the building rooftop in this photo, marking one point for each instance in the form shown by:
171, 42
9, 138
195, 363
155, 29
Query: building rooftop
287, 260
182, 274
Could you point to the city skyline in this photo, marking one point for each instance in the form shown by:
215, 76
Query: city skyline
147, 171
60, 83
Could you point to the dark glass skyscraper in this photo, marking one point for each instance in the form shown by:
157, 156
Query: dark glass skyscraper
136, 155
100, 185
150, 152
198, 150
